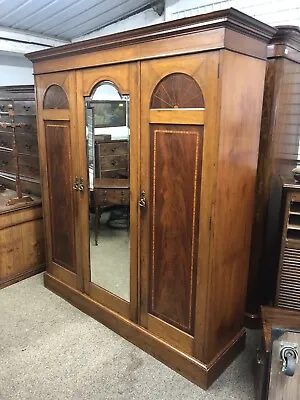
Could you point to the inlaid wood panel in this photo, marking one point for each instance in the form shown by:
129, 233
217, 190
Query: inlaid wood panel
57, 136
177, 91
55, 98
175, 189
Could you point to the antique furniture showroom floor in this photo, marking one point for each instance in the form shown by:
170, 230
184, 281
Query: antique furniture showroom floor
65, 354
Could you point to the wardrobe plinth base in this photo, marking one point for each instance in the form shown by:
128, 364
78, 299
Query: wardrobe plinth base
194, 370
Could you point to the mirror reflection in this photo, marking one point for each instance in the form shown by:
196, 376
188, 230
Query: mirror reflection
107, 132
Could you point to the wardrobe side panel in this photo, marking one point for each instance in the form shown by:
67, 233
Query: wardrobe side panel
242, 83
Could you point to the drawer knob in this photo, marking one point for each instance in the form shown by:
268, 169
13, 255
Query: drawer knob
26, 108
27, 146
114, 162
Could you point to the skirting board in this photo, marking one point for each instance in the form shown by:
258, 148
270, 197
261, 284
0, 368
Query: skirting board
23, 275
199, 373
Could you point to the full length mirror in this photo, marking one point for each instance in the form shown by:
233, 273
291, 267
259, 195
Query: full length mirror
107, 137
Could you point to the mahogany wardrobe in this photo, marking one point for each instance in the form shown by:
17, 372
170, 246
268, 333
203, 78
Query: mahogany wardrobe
148, 142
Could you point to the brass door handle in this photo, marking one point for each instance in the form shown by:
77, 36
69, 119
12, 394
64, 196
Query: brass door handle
81, 185
142, 201
76, 184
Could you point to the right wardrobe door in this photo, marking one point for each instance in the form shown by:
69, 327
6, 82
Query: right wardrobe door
173, 209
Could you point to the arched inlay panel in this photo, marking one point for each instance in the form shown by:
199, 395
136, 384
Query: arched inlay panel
177, 90
55, 98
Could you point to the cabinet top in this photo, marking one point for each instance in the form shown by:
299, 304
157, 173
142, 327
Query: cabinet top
285, 43
231, 19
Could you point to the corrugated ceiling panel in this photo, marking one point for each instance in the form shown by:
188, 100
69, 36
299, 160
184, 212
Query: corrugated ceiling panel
65, 19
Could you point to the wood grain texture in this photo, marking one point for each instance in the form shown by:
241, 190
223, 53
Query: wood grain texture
176, 161
278, 153
240, 115
189, 367
21, 244
55, 98
194, 320
177, 90
65, 118
61, 191
203, 23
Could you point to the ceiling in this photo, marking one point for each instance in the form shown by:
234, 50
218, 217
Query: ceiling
66, 19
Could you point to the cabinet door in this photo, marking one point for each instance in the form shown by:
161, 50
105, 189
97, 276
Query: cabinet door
58, 148
108, 120
178, 96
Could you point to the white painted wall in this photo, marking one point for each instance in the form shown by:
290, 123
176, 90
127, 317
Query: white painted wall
272, 12
147, 17
15, 70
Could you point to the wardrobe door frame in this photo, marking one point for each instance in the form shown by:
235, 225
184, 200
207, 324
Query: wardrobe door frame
126, 78
204, 69
66, 81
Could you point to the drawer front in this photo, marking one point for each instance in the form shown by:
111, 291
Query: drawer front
27, 143
6, 140
28, 124
110, 163
24, 107
4, 105
7, 162
112, 196
110, 149
29, 166
117, 174
27, 187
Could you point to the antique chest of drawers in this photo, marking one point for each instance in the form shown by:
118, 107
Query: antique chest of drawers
112, 159
21, 100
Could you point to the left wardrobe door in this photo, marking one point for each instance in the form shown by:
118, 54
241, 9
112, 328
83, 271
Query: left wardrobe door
58, 146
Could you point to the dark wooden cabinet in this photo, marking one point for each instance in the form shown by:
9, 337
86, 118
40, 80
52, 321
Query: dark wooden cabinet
278, 155
195, 88
22, 101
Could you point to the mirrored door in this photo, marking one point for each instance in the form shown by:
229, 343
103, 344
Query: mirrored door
108, 144
110, 241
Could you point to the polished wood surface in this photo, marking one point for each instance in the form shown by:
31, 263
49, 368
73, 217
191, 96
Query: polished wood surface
278, 154
210, 27
21, 240
234, 201
199, 373
65, 120
60, 187
191, 185
175, 178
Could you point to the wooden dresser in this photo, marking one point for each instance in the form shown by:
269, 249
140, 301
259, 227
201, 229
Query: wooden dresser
21, 225
22, 101
278, 155
112, 158
194, 89
22, 244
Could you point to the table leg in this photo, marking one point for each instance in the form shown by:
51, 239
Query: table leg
96, 225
